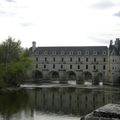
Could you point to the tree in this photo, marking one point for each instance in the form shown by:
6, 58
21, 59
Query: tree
14, 62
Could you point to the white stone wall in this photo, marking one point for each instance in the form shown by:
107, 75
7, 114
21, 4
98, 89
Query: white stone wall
49, 62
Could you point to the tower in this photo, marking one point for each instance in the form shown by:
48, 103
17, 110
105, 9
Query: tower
117, 43
33, 46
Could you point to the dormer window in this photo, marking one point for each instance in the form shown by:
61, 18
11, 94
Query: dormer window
71, 52
36, 53
86, 52
94, 52
54, 52
79, 52
45, 53
104, 52
62, 52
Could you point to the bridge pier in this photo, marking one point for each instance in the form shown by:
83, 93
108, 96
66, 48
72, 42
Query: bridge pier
45, 76
62, 74
79, 77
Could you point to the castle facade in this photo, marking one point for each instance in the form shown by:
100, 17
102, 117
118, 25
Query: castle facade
79, 64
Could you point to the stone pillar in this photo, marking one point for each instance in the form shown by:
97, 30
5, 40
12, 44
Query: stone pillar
46, 76
95, 80
62, 74
79, 77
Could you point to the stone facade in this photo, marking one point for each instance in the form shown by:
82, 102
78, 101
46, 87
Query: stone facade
89, 63
114, 62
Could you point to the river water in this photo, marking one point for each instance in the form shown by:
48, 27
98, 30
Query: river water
59, 102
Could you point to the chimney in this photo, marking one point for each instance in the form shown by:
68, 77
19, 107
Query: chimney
33, 46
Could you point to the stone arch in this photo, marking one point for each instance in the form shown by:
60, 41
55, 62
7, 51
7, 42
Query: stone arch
100, 77
87, 76
71, 75
54, 75
37, 74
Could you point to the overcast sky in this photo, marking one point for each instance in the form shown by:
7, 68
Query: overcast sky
60, 22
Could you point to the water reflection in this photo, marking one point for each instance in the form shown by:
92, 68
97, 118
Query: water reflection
12, 103
25, 103
71, 100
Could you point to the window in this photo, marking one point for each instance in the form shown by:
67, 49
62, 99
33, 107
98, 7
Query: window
94, 67
86, 98
94, 52
71, 52
62, 59
54, 52
36, 58
86, 52
104, 59
86, 59
79, 52
78, 66
45, 59
94, 59
70, 59
103, 67
37, 53
45, 53
44, 66
62, 52
70, 66
36, 65
54, 59
104, 52
86, 66
53, 66
79, 59
61, 66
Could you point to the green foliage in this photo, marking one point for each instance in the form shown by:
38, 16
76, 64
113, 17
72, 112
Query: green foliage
14, 62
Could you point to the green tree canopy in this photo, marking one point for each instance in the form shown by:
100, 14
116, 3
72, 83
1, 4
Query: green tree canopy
14, 62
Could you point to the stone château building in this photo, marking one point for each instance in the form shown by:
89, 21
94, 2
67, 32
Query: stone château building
88, 63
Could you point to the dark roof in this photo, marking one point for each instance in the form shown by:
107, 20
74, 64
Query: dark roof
114, 51
75, 49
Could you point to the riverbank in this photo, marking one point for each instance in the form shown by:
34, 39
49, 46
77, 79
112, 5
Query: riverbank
9, 89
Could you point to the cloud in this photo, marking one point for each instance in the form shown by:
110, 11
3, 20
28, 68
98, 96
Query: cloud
26, 24
6, 13
101, 38
117, 14
10, 1
103, 4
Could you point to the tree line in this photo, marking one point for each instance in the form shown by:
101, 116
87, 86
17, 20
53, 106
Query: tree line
14, 63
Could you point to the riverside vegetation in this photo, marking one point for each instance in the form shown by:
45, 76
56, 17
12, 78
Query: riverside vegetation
14, 63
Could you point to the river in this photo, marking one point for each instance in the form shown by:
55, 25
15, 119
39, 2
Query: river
61, 102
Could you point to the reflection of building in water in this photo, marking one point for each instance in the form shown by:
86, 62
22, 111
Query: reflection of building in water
70, 100
93, 63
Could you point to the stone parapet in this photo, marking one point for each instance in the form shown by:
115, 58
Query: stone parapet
107, 112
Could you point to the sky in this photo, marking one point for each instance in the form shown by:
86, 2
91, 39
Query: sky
60, 22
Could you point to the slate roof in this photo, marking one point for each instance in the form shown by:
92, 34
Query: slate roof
74, 50
114, 51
